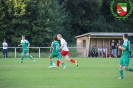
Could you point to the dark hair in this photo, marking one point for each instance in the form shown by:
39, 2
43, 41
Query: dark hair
126, 36
54, 38
23, 35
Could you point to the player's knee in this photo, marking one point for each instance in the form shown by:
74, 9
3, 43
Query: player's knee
120, 67
50, 58
67, 58
27, 54
22, 54
126, 68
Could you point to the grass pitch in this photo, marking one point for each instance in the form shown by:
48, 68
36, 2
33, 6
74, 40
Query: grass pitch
91, 73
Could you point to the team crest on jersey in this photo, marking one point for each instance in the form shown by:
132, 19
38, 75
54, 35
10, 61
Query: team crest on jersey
121, 9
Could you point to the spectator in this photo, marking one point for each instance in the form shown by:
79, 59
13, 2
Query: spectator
94, 52
5, 45
104, 51
114, 48
100, 51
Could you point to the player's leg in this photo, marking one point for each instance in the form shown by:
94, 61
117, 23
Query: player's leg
71, 60
120, 72
59, 58
57, 63
29, 56
22, 58
66, 54
128, 69
50, 60
63, 64
126, 63
120, 68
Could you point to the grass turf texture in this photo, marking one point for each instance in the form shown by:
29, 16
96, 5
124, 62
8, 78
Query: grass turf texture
91, 73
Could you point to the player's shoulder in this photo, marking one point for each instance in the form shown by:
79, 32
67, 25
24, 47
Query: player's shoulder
55, 42
63, 40
26, 41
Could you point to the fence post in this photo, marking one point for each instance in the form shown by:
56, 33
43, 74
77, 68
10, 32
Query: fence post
15, 52
39, 52
84, 52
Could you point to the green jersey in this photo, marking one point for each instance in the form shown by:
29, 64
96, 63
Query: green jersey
126, 45
56, 47
24, 44
125, 57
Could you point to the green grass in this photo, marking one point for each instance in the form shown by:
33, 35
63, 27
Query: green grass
91, 73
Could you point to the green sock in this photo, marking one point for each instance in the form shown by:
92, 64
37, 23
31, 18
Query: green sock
63, 64
130, 69
51, 64
121, 73
30, 57
22, 58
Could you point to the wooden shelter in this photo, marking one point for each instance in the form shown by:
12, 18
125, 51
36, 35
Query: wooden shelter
92, 39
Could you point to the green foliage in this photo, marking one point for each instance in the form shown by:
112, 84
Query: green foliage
40, 20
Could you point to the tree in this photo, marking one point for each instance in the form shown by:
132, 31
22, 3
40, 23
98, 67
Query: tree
39, 20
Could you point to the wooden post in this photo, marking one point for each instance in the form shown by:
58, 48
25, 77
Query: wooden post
87, 41
109, 46
97, 43
88, 45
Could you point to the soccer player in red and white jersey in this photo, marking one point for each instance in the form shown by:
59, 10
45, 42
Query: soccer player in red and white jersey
64, 51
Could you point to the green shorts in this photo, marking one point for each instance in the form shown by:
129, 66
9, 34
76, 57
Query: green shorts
25, 51
124, 61
57, 55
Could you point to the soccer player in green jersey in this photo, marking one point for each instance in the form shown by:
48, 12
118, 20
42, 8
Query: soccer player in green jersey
55, 52
25, 47
125, 57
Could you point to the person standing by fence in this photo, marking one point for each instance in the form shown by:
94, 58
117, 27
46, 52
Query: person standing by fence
114, 48
5, 46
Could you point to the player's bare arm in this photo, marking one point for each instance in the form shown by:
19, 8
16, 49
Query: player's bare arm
122, 48
62, 45
19, 45
51, 47
28, 46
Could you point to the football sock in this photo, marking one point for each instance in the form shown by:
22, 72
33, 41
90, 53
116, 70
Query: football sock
63, 64
30, 57
72, 60
22, 58
121, 73
51, 64
130, 69
57, 63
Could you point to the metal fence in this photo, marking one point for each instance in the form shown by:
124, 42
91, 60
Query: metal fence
39, 50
